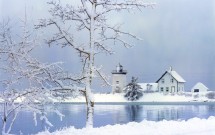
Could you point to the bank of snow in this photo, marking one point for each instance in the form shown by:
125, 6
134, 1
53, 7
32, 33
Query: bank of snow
149, 97
194, 126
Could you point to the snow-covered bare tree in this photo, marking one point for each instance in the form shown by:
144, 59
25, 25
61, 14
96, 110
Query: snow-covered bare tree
25, 82
91, 18
133, 90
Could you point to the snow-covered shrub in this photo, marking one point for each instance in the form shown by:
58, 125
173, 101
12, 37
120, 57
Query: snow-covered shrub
196, 96
173, 94
181, 93
210, 95
188, 94
133, 90
150, 91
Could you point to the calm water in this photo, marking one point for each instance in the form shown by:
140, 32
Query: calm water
75, 115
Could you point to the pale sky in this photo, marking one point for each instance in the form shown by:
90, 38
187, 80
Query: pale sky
177, 33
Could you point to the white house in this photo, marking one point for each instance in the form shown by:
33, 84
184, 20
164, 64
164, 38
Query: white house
149, 87
170, 82
199, 87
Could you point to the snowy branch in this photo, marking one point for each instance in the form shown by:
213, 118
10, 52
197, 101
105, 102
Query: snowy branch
104, 78
28, 83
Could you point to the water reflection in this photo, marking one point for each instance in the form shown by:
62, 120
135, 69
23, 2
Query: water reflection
134, 112
138, 113
167, 114
75, 115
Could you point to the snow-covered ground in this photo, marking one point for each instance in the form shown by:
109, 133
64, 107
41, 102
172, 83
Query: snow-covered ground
149, 97
194, 126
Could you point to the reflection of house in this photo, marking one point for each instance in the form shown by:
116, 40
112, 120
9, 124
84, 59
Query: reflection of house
170, 82
199, 87
149, 87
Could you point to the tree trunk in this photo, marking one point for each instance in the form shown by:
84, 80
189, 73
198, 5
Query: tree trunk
90, 113
89, 94
90, 109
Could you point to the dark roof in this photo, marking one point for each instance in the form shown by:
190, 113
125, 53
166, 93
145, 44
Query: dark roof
174, 74
161, 77
120, 72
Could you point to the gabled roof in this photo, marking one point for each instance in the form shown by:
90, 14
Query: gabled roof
200, 86
175, 75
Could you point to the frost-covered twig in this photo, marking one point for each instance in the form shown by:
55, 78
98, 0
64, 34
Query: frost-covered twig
28, 83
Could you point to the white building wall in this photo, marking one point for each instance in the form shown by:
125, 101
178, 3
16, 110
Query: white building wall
118, 83
180, 87
200, 88
167, 84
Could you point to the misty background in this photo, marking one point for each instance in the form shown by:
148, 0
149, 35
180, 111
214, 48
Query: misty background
177, 33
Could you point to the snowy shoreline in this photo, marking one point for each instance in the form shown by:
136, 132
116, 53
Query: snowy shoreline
145, 103
149, 98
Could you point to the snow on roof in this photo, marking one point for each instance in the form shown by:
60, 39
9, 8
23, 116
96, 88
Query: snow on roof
176, 76
200, 86
149, 86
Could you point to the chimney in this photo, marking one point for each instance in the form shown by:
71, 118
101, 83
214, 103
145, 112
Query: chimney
170, 68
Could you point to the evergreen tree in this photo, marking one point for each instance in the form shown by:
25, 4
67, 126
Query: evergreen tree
133, 91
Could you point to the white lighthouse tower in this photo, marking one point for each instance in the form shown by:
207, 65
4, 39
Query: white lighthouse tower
118, 79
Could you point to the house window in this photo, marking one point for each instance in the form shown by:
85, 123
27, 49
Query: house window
161, 89
162, 80
149, 87
117, 82
172, 80
196, 90
167, 89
